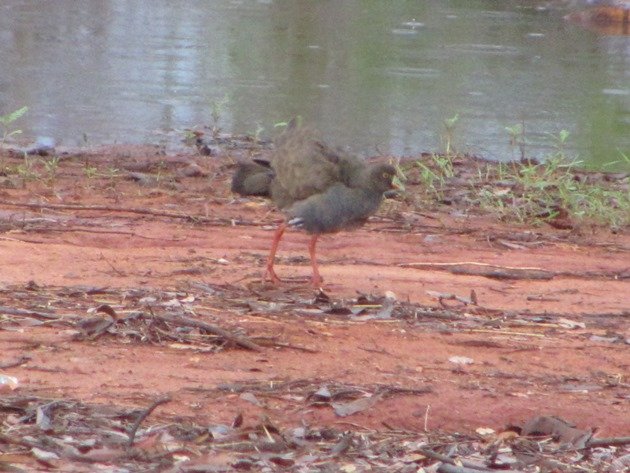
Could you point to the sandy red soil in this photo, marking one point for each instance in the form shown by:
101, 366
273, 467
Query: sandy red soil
521, 368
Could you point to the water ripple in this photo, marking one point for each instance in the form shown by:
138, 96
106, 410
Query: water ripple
495, 49
418, 72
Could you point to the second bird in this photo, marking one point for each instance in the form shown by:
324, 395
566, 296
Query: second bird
319, 190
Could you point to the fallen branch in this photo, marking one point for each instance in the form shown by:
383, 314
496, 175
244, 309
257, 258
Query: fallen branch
506, 332
32, 313
465, 467
608, 442
15, 362
110, 264
98, 232
472, 268
109, 208
135, 210
391, 390
22, 240
449, 468
498, 273
293, 347
447, 296
186, 322
144, 415
24, 442
475, 268
462, 263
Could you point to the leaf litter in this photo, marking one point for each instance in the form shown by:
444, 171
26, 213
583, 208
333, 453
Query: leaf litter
42, 432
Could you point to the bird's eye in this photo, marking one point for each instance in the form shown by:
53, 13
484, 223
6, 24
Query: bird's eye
386, 175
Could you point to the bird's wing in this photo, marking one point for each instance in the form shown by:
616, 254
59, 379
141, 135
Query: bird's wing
338, 208
252, 178
303, 164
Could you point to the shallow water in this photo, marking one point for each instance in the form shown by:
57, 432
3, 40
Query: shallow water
377, 77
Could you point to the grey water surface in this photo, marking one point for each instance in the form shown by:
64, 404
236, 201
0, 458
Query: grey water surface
375, 76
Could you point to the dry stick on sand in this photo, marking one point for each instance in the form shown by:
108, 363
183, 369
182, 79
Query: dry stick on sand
144, 415
34, 314
466, 467
14, 362
186, 322
102, 232
606, 442
120, 273
140, 211
474, 268
108, 208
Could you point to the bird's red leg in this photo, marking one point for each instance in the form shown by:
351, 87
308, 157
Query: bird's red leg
316, 279
269, 272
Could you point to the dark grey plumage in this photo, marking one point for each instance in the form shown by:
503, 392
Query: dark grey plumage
252, 178
319, 189
341, 207
305, 166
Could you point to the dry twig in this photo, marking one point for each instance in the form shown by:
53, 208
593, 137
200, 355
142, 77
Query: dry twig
144, 415
186, 322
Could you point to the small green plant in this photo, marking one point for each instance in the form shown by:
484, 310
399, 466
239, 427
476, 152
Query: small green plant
449, 133
7, 120
90, 171
298, 122
258, 132
435, 173
189, 135
400, 178
515, 132
26, 170
560, 140
51, 167
112, 173
544, 192
625, 159
161, 168
517, 138
526, 191
6, 130
218, 107
444, 165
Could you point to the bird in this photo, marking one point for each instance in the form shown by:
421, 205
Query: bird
253, 178
320, 190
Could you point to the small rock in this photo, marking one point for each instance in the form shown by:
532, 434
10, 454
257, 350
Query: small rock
461, 360
192, 170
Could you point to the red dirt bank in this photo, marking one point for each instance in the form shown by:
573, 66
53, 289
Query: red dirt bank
522, 366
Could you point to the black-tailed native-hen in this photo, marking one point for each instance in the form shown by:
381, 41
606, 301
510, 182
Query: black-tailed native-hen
319, 190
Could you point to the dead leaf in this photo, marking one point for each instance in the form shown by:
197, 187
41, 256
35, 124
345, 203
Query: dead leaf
461, 360
344, 409
572, 324
43, 455
251, 398
558, 429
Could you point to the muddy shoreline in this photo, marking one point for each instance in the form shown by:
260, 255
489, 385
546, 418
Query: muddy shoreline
108, 257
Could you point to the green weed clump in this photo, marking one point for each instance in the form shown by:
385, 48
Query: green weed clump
555, 191
7, 131
434, 175
552, 191
7, 120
